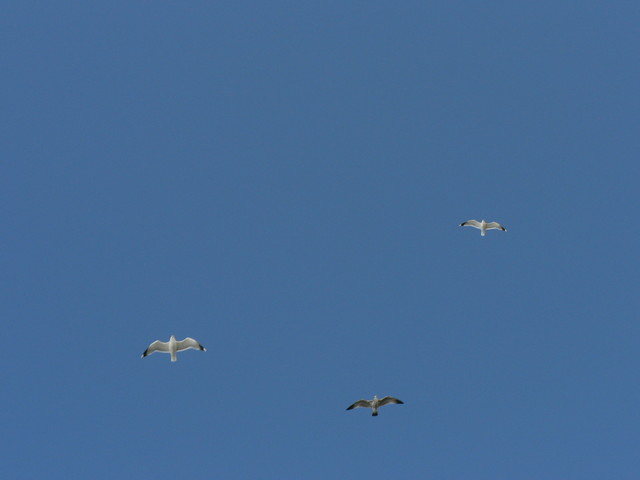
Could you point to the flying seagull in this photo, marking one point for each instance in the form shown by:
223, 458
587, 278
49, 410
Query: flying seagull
483, 226
375, 403
173, 347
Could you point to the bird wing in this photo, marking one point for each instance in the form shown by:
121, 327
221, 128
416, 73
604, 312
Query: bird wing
387, 400
360, 403
470, 223
156, 346
188, 343
495, 226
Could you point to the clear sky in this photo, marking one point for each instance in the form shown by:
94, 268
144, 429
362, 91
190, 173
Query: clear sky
283, 181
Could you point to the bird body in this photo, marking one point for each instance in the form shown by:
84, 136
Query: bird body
375, 403
483, 226
173, 346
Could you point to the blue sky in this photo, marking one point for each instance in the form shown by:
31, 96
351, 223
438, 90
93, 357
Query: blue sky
284, 182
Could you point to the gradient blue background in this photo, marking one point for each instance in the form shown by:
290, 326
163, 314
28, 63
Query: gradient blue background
283, 181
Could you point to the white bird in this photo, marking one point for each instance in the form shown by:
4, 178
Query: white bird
375, 403
173, 347
483, 226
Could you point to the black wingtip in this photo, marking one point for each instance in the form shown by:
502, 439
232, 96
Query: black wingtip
144, 354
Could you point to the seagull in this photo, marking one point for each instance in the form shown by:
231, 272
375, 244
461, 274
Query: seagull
375, 403
483, 226
173, 347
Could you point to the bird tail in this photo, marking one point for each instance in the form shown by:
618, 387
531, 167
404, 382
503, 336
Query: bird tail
174, 357
375, 413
